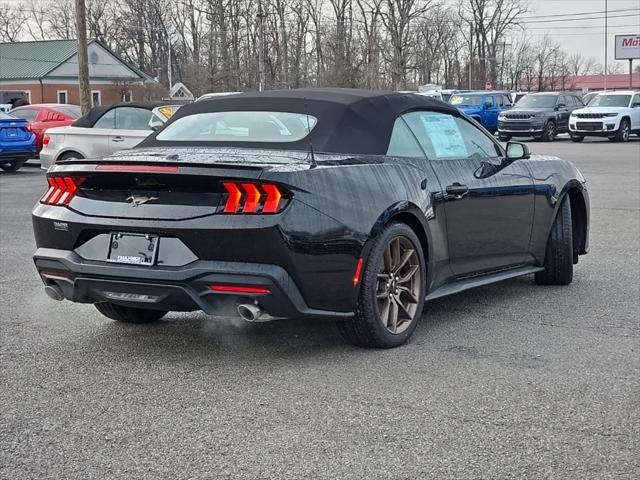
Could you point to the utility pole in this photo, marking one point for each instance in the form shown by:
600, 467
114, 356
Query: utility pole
606, 67
470, 53
261, 16
83, 59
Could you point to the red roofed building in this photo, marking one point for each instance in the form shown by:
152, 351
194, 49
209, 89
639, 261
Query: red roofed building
582, 83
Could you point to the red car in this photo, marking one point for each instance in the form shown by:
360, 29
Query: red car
46, 115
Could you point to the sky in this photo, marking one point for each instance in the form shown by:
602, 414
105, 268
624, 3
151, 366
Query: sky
585, 36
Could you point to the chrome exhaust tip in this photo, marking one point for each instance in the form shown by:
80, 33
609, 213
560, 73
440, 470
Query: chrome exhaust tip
54, 292
252, 313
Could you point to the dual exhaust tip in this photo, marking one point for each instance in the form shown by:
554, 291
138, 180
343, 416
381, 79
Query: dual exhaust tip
252, 312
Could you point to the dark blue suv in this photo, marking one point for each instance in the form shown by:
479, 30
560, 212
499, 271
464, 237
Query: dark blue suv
483, 107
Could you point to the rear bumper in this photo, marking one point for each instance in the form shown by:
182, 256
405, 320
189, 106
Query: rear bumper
184, 288
16, 156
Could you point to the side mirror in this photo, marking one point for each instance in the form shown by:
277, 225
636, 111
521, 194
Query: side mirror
635, 105
488, 104
517, 151
155, 124
560, 105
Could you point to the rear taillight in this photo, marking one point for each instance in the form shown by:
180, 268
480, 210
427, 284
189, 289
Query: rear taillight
61, 190
253, 197
45, 140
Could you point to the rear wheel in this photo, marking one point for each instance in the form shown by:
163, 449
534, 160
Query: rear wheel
129, 314
549, 133
623, 132
392, 292
12, 167
558, 262
70, 156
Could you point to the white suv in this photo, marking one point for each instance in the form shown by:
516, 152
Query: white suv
615, 115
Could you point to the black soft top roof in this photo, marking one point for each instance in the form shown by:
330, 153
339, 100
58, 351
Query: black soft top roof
349, 121
92, 116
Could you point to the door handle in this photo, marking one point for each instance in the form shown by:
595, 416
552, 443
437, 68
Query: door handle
457, 190
117, 139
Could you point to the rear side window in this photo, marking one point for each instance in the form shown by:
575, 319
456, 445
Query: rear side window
108, 120
403, 143
257, 126
28, 114
447, 137
131, 118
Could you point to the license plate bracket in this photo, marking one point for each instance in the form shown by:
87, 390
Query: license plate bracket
133, 248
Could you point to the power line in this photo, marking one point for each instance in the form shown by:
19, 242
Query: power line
574, 19
583, 13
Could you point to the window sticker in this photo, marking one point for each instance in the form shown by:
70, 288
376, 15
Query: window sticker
456, 100
445, 135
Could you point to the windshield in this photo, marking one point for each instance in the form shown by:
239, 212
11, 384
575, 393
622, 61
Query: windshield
610, 101
6, 116
466, 100
538, 101
71, 110
239, 127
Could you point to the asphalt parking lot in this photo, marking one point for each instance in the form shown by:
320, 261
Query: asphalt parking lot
507, 381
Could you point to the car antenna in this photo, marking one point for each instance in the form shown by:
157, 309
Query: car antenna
313, 162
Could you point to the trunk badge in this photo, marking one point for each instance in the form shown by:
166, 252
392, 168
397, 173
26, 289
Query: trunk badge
136, 200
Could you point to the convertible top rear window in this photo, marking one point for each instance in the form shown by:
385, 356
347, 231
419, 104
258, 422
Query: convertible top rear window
239, 126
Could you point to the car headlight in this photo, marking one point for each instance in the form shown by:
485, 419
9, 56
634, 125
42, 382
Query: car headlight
610, 114
573, 115
540, 115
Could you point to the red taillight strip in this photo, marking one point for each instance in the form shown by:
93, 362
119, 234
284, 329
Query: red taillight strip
253, 198
257, 197
274, 196
61, 190
239, 289
233, 200
356, 274
138, 168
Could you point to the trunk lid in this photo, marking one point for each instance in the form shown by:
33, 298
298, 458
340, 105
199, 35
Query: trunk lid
14, 130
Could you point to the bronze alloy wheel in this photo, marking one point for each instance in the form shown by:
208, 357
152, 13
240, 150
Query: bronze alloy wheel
398, 285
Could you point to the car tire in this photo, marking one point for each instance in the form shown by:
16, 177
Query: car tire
70, 156
577, 138
558, 262
549, 132
504, 138
129, 314
377, 322
12, 167
624, 132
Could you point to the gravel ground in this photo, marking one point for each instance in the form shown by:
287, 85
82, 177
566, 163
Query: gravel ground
506, 381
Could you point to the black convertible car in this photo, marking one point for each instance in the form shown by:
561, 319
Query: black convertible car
349, 205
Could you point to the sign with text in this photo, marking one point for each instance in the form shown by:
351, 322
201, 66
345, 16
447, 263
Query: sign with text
627, 47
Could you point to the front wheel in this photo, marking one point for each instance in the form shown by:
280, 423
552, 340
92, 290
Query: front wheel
558, 261
623, 132
549, 133
392, 292
129, 314
504, 138
577, 138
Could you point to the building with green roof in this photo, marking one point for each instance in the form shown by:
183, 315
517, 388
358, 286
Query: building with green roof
47, 72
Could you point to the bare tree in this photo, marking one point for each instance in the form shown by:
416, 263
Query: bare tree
13, 19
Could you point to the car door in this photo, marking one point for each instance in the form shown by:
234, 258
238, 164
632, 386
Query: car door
489, 215
491, 113
131, 127
562, 113
635, 112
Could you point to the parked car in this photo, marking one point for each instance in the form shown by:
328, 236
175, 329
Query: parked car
405, 200
209, 96
538, 115
17, 142
614, 115
432, 94
47, 115
102, 131
483, 107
